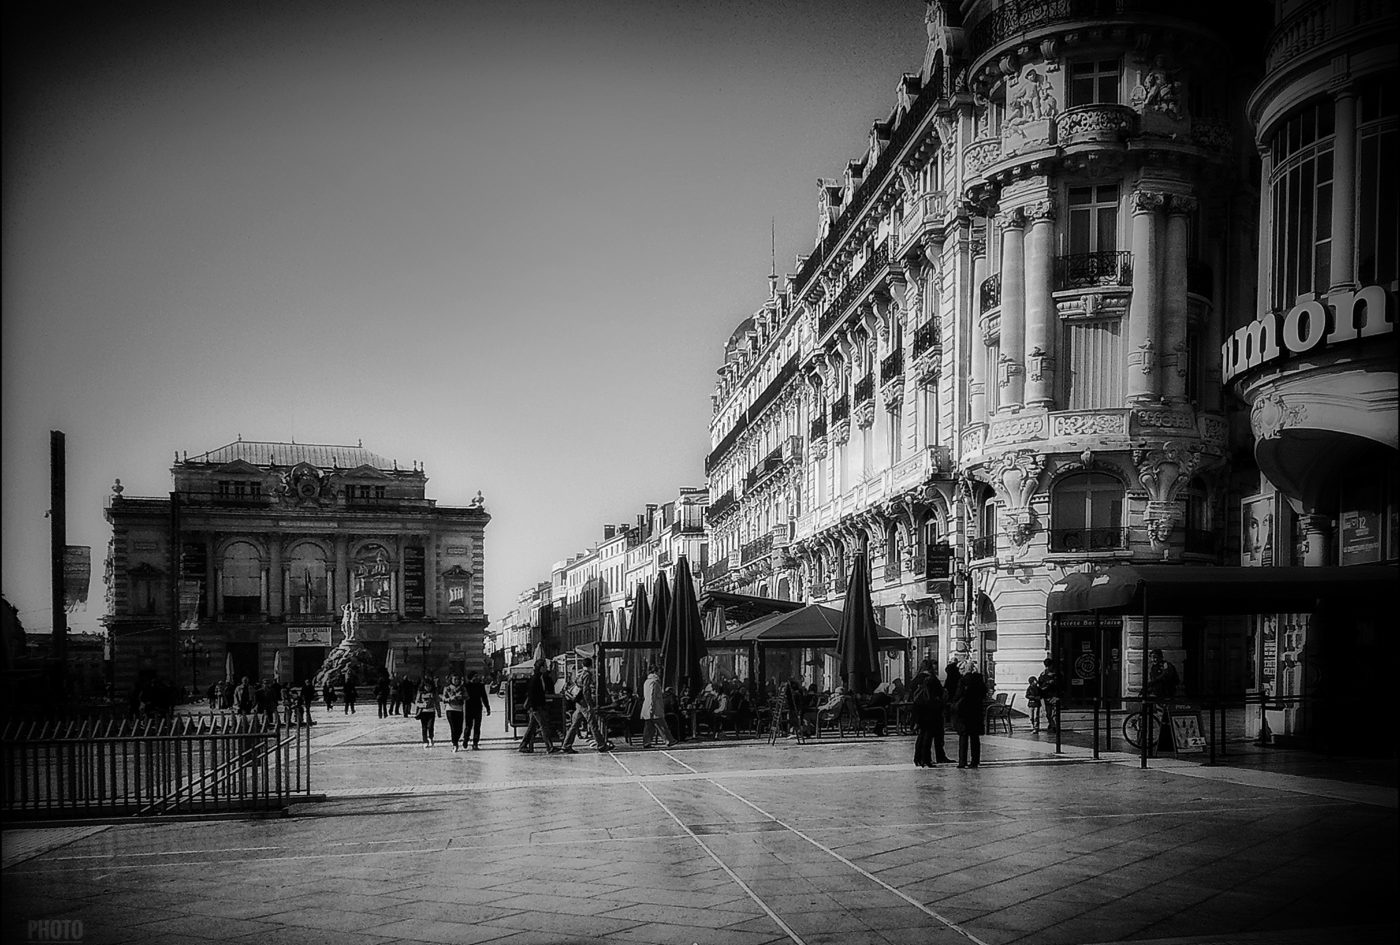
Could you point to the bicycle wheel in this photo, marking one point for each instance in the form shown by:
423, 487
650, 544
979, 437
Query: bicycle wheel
1132, 725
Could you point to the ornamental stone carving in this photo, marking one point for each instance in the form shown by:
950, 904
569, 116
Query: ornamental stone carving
1214, 429
1015, 476
928, 367
980, 155
864, 413
817, 448
972, 441
1039, 363
1085, 124
1162, 418
893, 393
1042, 211
1034, 99
1183, 204
1211, 134
1148, 201
1029, 427
1007, 369
1158, 91
1159, 519
1089, 424
1145, 357
1165, 469
1271, 415
841, 432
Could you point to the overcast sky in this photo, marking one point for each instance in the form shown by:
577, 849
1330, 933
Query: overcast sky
504, 239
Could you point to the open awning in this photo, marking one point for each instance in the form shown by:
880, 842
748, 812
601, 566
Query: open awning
812, 625
1200, 590
744, 607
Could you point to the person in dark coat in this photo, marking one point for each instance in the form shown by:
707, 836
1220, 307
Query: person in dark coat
536, 701
476, 703
926, 696
351, 694
969, 717
381, 694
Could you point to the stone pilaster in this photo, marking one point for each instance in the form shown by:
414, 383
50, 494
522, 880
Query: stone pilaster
1041, 317
1013, 311
1174, 358
1145, 309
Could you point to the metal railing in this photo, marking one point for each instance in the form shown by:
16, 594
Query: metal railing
147, 767
840, 409
865, 275
1022, 16
865, 389
758, 548
720, 505
818, 428
925, 337
990, 293
1088, 539
892, 366
1082, 270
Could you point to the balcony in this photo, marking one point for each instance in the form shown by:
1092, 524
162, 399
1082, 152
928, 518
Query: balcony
905, 476
1085, 270
980, 155
990, 292
926, 210
1019, 17
892, 366
865, 275
818, 428
925, 337
717, 508
758, 548
716, 572
865, 389
840, 409
1095, 124
1071, 540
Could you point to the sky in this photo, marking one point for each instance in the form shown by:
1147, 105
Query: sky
506, 240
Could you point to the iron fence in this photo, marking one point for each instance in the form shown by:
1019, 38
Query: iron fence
147, 767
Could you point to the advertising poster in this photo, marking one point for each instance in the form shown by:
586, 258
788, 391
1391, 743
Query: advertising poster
1360, 536
1257, 523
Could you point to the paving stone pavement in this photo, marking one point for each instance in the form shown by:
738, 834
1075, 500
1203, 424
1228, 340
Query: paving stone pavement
733, 842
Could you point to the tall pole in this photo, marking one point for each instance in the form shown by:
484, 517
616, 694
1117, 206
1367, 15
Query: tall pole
58, 537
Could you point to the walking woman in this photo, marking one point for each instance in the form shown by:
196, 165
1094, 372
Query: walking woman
970, 716
427, 708
454, 698
654, 710
926, 698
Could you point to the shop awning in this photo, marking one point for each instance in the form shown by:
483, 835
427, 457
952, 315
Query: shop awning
744, 607
1198, 590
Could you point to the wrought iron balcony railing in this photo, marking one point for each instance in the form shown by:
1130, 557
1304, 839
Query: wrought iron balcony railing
990, 292
865, 389
1088, 539
892, 366
719, 506
925, 337
758, 548
840, 409
1082, 270
879, 259
818, 428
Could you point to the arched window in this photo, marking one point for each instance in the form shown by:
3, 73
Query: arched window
242, 580
1086, 513
306, 581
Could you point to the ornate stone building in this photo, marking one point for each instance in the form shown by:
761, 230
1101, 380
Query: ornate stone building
260, 546
1001, 362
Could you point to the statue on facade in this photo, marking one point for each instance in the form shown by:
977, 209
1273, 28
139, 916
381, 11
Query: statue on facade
349, 622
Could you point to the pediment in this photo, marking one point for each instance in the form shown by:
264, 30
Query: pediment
240, 467
364, 472
456, 571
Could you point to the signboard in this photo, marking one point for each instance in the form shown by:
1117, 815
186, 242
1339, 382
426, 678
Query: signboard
1187, 736
77, 575
309, 636
414, 597
940, 562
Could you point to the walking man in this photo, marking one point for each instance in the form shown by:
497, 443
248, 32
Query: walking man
350, 695
476, 702
536, 701
381, 695
585, 711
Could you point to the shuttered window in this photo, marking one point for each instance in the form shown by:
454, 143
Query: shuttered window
1092, 357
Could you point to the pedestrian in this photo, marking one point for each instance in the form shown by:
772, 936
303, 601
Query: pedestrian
381, 694
1050, 687
926, 705
585, 710
970, 716
395, 696
654, 710
351, 694
475, 703
536, 701
308, 699
410, 695
245, 697
328, 693
454, 697
1033, 702
427, 707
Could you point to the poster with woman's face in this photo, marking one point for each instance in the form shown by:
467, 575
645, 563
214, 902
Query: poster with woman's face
1257, 525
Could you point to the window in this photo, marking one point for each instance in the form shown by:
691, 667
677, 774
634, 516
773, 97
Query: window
896, 435
1301, 184
1378, 195
928, 402
306, 581
1086, 513
145, 590
1092, 354
1093, 83
993, 389
242, 580
1093, 220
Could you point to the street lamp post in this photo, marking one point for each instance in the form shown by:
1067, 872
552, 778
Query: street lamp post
424, 641
191, 647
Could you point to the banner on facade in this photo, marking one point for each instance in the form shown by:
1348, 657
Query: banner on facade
77, 575
1257, 524
309, 636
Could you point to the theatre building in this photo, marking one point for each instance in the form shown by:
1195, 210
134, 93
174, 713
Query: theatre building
1316, 360
258, 548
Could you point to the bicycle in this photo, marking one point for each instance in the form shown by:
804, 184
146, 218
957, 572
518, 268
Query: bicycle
1132, 726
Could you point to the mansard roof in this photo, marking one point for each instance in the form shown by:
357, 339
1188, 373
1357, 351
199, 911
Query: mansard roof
265, 453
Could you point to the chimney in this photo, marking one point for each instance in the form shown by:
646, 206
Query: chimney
609, 532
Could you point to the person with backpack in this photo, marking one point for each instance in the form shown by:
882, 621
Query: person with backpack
1033, 702
926, 703
1050, 685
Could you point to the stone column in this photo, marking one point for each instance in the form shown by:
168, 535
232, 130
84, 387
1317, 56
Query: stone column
1042, 320
1344, 191
1174, 357
1012, 370
976, 346
1145, 309
1317, 536
277, 581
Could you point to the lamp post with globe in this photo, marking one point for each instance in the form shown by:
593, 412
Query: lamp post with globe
424, 641
191, 647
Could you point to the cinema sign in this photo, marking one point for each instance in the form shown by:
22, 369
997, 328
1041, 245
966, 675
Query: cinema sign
1342, 316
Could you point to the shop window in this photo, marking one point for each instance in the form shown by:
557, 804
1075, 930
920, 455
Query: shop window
1086, 513
1093, 83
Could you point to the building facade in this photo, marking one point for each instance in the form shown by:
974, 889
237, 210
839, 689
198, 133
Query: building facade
1315, 361
260, 546
1002, 361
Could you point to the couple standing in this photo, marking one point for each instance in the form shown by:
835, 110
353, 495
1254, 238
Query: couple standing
965, 696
